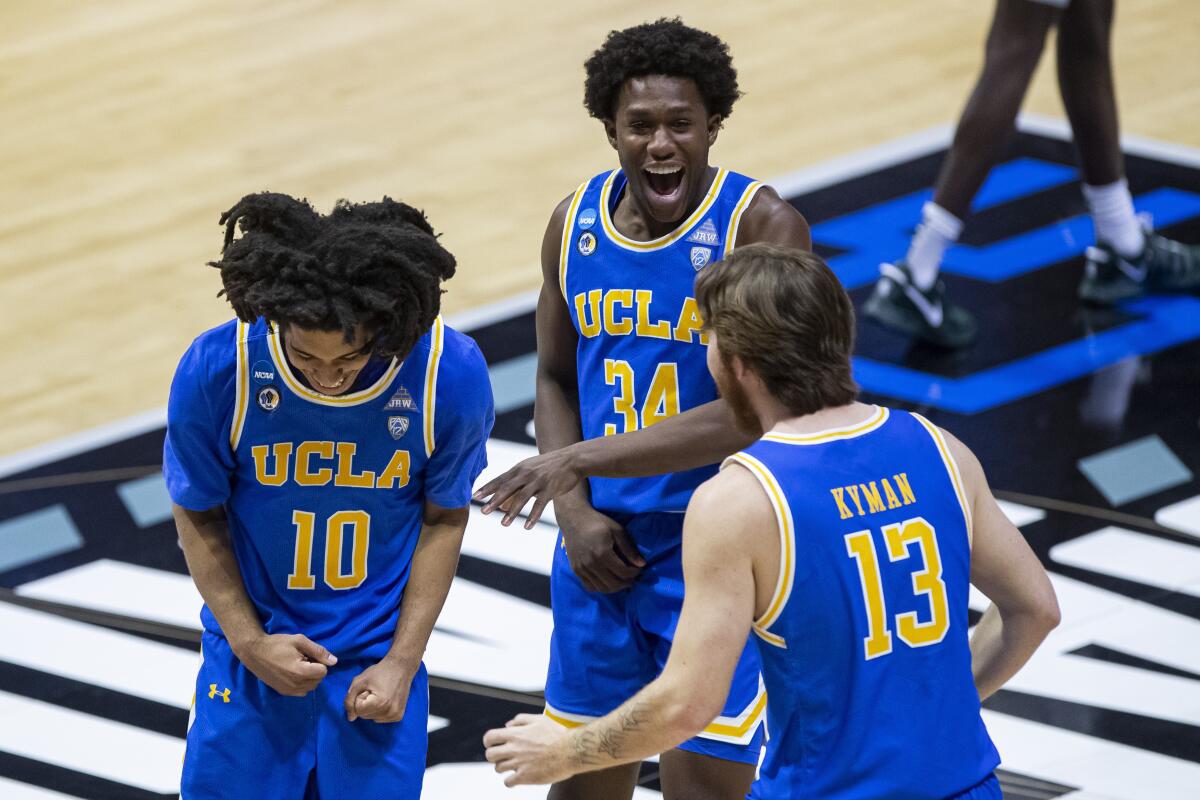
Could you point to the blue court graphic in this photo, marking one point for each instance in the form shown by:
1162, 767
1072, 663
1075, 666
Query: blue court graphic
881, 232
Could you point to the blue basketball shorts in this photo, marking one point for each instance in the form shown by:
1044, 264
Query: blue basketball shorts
606, 647
247, 741
987, 789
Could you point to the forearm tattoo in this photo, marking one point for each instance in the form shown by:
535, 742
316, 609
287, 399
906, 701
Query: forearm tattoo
609, 738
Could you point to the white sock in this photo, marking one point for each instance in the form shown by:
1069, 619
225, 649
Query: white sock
1112, 214
938, 230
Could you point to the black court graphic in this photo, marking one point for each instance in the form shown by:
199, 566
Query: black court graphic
1114, 687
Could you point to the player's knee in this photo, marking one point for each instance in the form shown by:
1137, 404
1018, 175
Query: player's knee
1013, 57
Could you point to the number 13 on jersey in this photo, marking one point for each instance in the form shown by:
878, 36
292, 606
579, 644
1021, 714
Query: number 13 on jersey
660, 402
928, 582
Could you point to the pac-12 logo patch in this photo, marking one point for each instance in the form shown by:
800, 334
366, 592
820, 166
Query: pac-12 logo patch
397, 426
268, 398
586, 219
262, 372
587, 243
700, 257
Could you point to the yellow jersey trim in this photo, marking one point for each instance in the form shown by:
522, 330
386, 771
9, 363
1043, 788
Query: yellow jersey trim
610, 229
298, 388
565, 719
787, 545
431, 376
737, 730
242, 391
833, 434
736, 219
952, 469
564, 248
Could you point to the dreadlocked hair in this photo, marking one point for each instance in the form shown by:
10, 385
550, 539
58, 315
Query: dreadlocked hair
663, 47
375, 264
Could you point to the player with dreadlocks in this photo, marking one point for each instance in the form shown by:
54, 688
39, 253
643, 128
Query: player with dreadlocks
621, 349
320, 454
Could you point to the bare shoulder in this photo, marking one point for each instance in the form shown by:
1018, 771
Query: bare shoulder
732, 497
552, 240
772, 219
966, 460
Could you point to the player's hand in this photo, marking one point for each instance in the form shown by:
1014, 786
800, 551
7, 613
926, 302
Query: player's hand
532, 747
542, 478
291, 664
379, 693
601, 552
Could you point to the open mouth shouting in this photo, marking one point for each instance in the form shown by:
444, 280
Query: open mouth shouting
666, 189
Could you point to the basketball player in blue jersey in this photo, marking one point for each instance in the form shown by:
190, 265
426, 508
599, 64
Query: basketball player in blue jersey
845, 538
320, 453
620, 348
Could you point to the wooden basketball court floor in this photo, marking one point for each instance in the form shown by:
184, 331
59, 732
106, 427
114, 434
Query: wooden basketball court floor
132, 125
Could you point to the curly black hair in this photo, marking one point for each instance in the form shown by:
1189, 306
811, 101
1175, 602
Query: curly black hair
663, 47
375, 264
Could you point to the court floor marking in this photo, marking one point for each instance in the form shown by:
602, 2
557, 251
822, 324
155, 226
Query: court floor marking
14, 790
84, 743
1149, 560
91, 654
1101, 768
482, 636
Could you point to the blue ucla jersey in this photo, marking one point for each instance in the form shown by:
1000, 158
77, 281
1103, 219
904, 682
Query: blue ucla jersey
325, 494
864, 644
641, 354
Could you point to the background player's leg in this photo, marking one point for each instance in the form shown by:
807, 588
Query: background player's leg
1085, 81
1127, 258
908, 297
1014, 46
614, 783
695, 776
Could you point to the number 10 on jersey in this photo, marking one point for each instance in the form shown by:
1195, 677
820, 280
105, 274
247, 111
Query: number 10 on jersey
661, 401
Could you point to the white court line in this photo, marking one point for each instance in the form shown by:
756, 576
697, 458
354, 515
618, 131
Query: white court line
1134, 556
529, 550
98, 656
1097, 766
479, 781
73, 740
1183, 516
12, 790
119, 588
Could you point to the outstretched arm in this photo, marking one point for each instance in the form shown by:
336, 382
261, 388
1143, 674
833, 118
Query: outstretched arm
718, 608
698, 437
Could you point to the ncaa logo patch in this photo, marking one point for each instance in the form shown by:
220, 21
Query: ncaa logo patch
397, 426
586, 219
700, 257
587, 244
262, 372
268, 398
